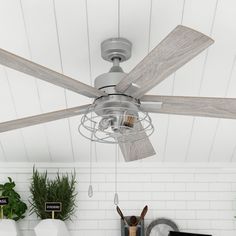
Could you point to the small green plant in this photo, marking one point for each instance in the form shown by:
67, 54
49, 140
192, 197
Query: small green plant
61, 189
16, 208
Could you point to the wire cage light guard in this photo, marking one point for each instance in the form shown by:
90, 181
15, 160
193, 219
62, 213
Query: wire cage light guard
115, 125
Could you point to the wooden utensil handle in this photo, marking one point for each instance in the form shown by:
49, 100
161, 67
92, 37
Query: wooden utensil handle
132, 230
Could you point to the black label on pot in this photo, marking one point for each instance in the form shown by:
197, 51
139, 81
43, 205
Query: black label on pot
3, 201
53, 206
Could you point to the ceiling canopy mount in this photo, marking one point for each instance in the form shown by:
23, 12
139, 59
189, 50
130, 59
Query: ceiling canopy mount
116, 48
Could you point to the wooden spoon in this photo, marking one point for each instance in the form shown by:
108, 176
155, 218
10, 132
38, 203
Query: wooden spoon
121, 215
143, 213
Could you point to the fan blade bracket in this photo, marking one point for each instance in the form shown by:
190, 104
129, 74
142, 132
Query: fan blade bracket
191, 106
150, 106
132, 88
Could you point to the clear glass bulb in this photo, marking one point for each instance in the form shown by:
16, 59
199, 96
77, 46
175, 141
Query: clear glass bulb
116, 199
104, 124
90, 191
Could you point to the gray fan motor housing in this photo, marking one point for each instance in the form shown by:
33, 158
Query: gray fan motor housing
115, 105
107, 81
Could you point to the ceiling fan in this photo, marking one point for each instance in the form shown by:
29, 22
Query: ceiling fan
120, 111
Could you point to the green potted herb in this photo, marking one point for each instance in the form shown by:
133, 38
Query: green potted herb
61, 189
13, 209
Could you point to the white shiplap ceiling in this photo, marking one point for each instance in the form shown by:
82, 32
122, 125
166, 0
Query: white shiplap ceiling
65, 35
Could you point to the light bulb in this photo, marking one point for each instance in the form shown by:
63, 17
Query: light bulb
90, 191
129, 121
104, 123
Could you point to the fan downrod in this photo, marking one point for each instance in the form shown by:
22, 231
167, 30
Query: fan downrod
116, 48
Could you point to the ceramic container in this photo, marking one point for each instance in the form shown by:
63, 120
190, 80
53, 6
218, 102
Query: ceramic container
8, 228
51, 227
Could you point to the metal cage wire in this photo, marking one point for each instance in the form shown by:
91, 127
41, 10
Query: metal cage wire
90, 126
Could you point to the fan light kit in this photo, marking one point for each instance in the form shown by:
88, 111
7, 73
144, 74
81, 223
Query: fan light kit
115, 118
120, 111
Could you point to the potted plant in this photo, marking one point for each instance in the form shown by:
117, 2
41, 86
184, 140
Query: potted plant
13, 211
61, 190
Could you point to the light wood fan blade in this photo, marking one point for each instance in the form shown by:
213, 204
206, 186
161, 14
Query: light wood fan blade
191, 106
179, 47
136, 150
42, 118
30, 68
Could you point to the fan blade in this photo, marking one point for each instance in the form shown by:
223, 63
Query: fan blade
136, 150
30, 68
42, 118
179, 47
191, 106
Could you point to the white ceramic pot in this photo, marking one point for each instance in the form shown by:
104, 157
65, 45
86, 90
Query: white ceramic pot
8, 228
51, 227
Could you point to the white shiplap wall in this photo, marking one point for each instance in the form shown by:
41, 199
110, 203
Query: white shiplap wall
65, 35
199, 197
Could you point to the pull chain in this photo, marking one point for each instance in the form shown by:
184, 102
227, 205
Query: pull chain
90, 189
116, 197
